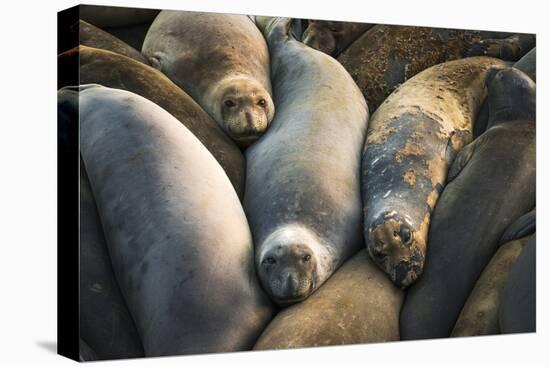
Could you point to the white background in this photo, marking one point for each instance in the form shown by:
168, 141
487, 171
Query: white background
28, 182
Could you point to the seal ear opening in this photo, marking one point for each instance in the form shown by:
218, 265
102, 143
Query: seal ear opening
156, 60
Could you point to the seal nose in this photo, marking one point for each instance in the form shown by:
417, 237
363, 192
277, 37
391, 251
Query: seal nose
402, 271
291, 285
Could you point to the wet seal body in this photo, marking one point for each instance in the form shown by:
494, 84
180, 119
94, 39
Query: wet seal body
412, 138
177, 235
332, 37
302, 185
470, 217
104, 320
518, 310
222, 61
479, 316
116, 71
387, 55
358, 304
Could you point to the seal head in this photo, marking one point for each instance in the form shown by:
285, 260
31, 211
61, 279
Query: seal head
243, 108
289, 264
394, 247
511, 95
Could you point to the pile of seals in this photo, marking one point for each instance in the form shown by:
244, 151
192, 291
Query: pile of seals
236, 193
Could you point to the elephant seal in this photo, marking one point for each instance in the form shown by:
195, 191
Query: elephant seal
222, 61
527, 64
85, 353
302, 195
524, 226
117, 71
332, 37
104, 320
97, 38
479, 316
471, 215
388, 55
178, 238
115, 16
358, 304
412, 138
518, 304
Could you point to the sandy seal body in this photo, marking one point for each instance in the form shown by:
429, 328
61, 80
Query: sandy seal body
358, 304
116, 71
471, 215
518, 310
479, 316
411, 140
387, 55
332, 37
222, 61
177, 235
302, 185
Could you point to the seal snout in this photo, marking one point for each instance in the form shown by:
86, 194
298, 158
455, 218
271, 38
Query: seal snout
287, 272
392, 247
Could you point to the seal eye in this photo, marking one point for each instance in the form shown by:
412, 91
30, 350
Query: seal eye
229, 103
405, 234
269, 260
306, 258
262, 102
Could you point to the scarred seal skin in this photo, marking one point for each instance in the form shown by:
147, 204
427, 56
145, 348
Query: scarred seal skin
479, 316
471, 215
104, 320
332, 37
302, 193
358, 304
388, 55
518, 310
178, 238
411, 140
222, 61
117, 71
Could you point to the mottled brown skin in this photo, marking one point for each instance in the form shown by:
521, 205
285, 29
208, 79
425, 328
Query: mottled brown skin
479, 315
222, 61
117, 71
94, 37
358, 304
332, 37
411, 140
388, 55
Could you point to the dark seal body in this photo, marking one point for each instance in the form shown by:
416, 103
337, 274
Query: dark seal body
104, 320
94, 37
116, 16
471, 215
479, 316
302, 194
332, 37
387, 55
412, 138
518, 311
178, 238
358, 304
222, 61
116, 71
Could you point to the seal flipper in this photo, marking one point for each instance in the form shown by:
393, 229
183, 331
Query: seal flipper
511, 48
462, 159
277, 29
522, 227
